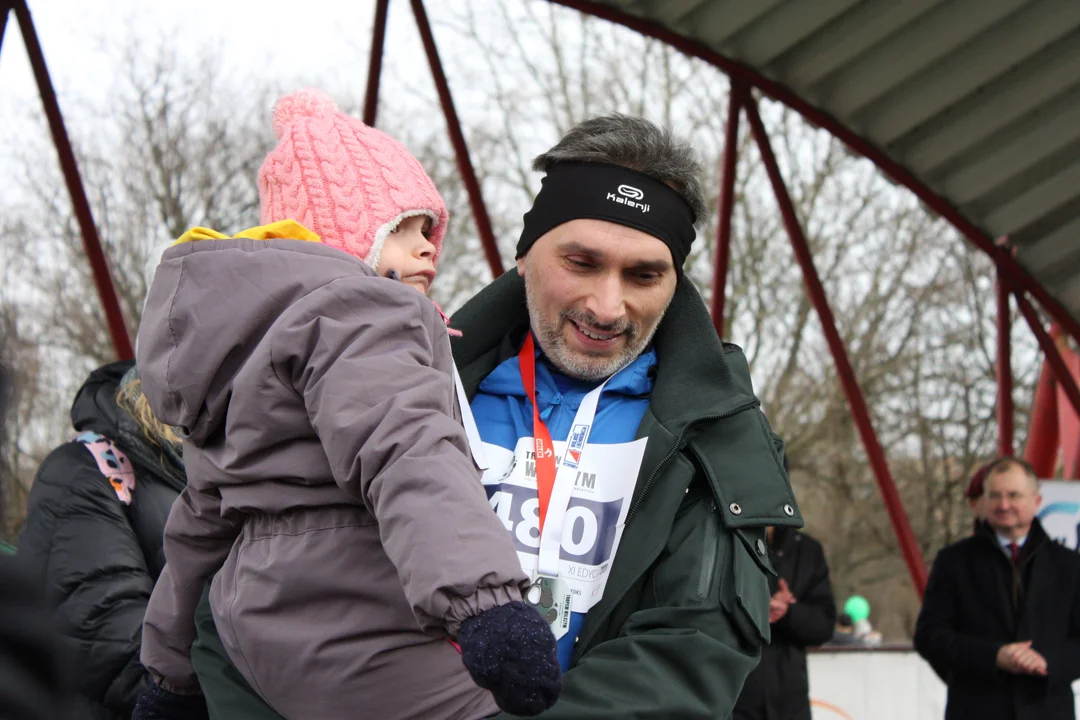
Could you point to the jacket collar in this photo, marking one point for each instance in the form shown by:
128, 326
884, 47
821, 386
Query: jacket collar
690, 356
95, 405
634, 380
1036, 538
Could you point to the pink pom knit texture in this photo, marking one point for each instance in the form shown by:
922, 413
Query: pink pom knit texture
340, 178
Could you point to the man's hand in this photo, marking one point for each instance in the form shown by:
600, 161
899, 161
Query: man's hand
780, 602
1018, 658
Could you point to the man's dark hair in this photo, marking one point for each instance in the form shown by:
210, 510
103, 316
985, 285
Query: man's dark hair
636, 144
844, 620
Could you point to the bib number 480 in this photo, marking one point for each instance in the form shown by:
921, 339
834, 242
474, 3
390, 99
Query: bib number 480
588, 530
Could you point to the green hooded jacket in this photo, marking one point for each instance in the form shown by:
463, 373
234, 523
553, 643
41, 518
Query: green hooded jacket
686, 608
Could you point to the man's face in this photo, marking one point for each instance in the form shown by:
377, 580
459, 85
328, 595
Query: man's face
596, 293
1011, 501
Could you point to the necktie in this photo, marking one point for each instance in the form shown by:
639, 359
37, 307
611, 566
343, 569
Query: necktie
1014, 552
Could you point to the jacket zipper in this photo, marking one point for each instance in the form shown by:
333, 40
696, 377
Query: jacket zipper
708, 566
675, 449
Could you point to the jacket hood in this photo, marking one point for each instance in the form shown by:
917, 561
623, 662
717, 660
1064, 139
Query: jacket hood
95, 409
211, 303
95, 405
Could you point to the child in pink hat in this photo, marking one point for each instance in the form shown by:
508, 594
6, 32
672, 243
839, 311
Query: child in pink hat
354, 186
331, 492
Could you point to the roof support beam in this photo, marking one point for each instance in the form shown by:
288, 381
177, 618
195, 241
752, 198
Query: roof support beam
1043, 436
91, 241
909, 546
457, 137
736, 96
1049, 347
378, 40
1005, 412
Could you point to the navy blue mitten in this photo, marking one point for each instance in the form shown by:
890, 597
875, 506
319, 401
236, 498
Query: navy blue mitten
510, 651
160, 704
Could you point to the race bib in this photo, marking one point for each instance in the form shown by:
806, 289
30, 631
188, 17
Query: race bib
603, 487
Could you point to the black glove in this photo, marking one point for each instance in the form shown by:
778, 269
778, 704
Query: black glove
160, 704
510, 651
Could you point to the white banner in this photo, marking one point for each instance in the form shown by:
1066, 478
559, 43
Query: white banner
877, 685
1060, 511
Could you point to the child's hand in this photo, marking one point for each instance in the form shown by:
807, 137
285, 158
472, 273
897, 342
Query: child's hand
510, 651
160, 704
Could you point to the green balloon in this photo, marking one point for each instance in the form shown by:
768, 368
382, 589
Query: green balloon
857, 607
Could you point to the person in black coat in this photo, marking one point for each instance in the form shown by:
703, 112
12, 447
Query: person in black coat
32, 669
94, 531
802, 614
1001, 617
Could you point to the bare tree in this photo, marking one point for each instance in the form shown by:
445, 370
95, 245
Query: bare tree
172, 148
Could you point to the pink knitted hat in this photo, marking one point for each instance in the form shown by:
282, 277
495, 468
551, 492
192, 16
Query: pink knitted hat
349, 183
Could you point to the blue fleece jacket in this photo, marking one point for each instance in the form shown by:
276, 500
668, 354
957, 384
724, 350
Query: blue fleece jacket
504, 415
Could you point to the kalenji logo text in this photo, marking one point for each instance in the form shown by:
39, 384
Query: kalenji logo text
629, 195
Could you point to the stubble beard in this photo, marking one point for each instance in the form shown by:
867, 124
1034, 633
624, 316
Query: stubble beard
578, 365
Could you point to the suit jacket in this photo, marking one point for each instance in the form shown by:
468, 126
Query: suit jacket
977, 601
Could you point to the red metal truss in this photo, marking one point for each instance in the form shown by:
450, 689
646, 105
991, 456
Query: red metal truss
726, 205
909, 547
739, 73
91, 241
378, 40
1043, 434
1005, 412
1061, 372
1054, 431
457, 137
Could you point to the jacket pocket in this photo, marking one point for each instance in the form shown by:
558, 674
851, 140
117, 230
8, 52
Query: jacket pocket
751, 568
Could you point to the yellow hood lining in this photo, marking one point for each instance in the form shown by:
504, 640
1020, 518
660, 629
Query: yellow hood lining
284, 229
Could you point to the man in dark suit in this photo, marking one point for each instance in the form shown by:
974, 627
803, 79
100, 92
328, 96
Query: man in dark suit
1001, 617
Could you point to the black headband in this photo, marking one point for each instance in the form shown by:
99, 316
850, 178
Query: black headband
572, 191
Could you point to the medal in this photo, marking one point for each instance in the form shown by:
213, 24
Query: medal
551, 598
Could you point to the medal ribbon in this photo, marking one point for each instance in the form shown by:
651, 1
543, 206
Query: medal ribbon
554, 476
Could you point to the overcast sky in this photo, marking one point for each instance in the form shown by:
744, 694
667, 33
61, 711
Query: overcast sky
283, 39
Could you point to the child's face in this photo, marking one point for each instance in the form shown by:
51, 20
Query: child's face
408, 251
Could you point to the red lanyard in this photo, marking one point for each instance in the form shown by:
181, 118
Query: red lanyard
543, 447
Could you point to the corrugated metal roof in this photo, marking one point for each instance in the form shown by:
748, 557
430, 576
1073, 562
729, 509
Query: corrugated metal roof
978, 99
